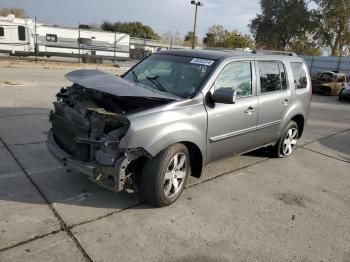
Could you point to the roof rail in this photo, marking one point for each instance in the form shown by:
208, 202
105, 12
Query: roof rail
274, 52
248, 50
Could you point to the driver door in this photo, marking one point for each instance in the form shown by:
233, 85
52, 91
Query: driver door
231, 127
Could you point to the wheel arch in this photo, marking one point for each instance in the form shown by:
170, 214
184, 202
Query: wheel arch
299, 119
196, 158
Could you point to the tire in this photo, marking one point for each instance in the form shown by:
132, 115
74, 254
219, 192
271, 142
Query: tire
328, 91
160, 175
341, 95
286, 144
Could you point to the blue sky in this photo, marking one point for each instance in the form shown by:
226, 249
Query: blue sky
162, 15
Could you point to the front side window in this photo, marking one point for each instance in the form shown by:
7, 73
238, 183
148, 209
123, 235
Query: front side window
2, 32
272, 76
238, 76
299, 75
21, 33
327, 77
178, 75
51, 38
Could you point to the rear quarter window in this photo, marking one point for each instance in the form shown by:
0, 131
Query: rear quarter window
299, 74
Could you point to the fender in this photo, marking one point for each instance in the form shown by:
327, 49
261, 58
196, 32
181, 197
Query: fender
156, 131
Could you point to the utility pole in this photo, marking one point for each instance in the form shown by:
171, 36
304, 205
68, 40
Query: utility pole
196, 3
36, 48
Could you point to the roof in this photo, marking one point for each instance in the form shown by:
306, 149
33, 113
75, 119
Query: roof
332, 73
223, 54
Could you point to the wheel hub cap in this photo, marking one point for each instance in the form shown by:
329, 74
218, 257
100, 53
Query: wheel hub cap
175, 175
290, 141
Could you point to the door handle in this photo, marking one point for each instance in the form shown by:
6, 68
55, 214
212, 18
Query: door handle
285, 102
250, 110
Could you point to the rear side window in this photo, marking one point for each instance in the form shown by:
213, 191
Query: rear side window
238, 76
299, 75
21, 33
272, 76
2, 32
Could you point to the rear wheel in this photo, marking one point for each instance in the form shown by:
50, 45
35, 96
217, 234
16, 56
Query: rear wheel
286, 144
164, 177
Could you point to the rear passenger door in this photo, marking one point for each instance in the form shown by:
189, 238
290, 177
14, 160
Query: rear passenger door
274, 98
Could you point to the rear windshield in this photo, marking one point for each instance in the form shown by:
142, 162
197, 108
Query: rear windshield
178, 75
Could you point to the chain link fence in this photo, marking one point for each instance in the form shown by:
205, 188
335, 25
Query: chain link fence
328, 63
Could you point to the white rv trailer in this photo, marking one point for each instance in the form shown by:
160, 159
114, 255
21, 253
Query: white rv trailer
17, 38
16, 35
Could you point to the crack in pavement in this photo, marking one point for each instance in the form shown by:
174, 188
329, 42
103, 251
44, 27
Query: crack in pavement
33, 114
68, 229
56, 214
323, 154
30, 240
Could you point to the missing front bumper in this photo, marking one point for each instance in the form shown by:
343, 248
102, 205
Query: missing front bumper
111, 177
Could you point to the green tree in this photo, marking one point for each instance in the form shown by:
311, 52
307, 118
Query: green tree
304, 45
90, 26
218, 36
169, 36
334, 27
134, 29
18, 12
280, 22
189, 39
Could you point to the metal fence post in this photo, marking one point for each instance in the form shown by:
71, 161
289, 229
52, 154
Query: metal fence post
338, 67
115, 45
312, 63
79, 42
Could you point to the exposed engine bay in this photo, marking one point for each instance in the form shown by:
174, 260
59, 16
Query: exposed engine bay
88, 125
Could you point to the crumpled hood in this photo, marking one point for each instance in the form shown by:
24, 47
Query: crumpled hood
114, 85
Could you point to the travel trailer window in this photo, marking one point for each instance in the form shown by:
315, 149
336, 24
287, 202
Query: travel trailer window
21, 33
84, 41
51, 38
2, 33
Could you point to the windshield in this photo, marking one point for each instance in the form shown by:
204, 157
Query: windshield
178, 75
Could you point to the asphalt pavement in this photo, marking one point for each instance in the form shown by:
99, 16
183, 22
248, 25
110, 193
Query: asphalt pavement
244, 208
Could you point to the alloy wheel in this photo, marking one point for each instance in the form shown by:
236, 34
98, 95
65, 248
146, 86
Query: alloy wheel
290, 141
175, 175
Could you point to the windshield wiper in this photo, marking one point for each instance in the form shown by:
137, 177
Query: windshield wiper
154, 80
134, 76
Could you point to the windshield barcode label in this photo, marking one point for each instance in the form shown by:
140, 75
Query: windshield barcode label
199, 61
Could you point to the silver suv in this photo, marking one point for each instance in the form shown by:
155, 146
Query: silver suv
175, 112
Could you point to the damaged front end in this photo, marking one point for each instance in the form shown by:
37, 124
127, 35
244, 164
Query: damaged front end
87, 126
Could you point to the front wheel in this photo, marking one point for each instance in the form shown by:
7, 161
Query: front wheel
164, 177
341, 94
286, 144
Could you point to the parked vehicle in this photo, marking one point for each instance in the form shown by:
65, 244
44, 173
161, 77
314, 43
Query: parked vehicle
175, 112
344, 94
17, 37
329, 83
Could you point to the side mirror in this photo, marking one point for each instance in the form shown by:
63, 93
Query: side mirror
224, 95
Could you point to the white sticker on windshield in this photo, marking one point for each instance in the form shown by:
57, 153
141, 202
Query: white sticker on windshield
199, 61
